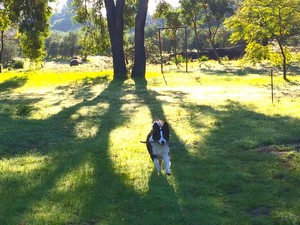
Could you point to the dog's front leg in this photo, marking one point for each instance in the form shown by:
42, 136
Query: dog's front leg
167, 163
157, 164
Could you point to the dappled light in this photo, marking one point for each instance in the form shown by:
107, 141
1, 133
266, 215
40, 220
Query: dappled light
78, 158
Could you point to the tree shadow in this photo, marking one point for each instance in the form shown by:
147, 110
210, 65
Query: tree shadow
211, 178
13, 83
234, 70
61, 159
232, 172
218, 179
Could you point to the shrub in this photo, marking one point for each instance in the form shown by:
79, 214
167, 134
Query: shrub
24, 109
203, 58
18, 64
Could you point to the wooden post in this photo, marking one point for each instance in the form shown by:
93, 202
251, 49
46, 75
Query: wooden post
272, 86
186, 50
160, 46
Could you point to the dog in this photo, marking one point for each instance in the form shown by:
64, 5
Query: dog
158, 145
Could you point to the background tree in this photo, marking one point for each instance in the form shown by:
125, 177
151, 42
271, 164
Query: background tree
69, 47
93, 34
92, 41
172, 20
272, 20
190, 10
213, 16
53, 43
33, 23
5, 23
12, 46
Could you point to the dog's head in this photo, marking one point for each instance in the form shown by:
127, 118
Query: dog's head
160, 132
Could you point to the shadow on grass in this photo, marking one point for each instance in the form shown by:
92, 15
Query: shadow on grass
246, 184
23, 196
223, 179
13, 83
220, 180
238, 71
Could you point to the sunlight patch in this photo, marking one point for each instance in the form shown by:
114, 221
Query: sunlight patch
96, 110
86, 129
81, 176
23, 164
129, 157
189, 126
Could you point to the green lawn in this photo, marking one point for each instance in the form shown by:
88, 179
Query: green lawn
70, 150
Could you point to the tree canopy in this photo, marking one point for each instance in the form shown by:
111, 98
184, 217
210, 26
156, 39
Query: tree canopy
259, 20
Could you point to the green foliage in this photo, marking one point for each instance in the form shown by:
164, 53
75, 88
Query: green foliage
162, 9
4, 18
257, 21
256, 52
179, 59
276, 58
33, 47
11, 46
53, 44
69, 46
24, 109
18, 64
32, 18
94, 39
203, 58
170, 14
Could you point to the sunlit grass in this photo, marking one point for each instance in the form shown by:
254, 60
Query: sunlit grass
78, 158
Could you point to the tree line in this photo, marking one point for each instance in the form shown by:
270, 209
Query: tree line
266, 27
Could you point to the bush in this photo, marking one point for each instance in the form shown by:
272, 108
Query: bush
24, 109
203, 58
18, 64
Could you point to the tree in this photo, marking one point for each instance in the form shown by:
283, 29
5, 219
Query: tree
53, 43
69, 46
213, 16
119, 17
139, 66
33, 23
115, 21
88, 11
4, 25
190, 11
172, 19
273, 20
93, 40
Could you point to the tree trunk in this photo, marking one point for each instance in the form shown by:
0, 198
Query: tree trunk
284, 63
197, 38
115, 22
1, 49
212, 43
139, 66
175, 46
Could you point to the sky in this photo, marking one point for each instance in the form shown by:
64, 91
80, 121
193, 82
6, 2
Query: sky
151, 6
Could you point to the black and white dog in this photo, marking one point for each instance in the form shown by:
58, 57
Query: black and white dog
158, 145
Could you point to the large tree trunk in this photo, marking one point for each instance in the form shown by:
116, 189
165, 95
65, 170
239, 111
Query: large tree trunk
115, 22
139, 66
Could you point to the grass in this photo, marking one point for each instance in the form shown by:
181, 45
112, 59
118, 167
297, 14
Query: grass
77, 157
